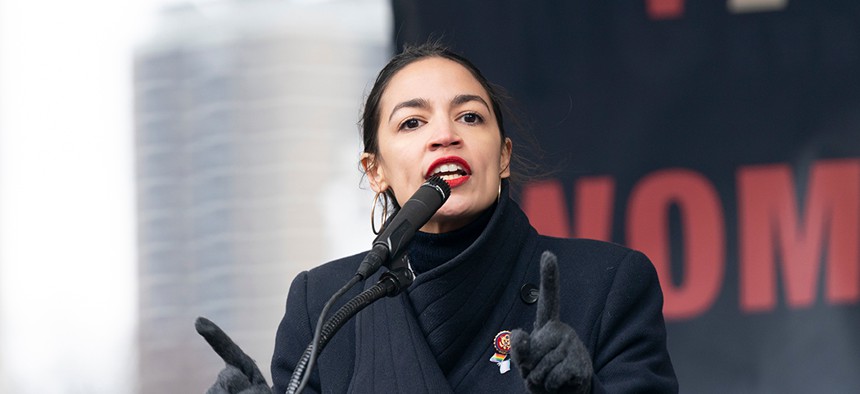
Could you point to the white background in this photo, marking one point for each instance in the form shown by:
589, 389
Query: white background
67, 242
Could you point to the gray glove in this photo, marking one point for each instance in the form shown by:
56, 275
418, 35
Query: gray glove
241, 375
551, 359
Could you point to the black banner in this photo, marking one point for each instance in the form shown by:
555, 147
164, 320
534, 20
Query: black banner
721, 138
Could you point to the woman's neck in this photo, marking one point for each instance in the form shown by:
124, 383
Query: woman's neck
429, 250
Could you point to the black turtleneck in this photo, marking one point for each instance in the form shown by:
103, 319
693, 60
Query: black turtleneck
427, 250
453, 291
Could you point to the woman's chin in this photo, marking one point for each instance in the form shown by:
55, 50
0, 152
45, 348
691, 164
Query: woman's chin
465, 205
451, 218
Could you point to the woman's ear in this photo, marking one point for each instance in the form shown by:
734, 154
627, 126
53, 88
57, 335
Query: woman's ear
374, 172
505, 159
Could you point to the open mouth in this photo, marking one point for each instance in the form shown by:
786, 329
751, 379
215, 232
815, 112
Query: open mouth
453, 170
449, 171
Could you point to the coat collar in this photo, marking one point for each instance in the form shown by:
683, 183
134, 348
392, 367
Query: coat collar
440, 334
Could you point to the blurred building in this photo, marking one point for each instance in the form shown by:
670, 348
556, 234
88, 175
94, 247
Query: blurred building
247, 150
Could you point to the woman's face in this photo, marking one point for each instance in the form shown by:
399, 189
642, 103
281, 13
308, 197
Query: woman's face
436, 118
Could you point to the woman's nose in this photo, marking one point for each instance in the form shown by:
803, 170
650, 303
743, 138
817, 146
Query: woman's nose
444, 136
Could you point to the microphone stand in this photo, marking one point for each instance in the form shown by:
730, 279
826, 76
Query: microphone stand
389, 246
391, 283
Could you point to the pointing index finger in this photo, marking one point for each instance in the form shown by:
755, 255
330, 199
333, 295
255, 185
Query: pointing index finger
548, 303
229, 351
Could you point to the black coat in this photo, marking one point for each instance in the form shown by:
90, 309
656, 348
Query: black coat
609, 294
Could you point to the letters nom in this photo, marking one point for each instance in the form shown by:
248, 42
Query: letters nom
800, 234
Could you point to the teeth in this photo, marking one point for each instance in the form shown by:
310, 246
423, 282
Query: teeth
449, 177
448, 167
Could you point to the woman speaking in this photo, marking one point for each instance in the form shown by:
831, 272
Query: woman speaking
431, 112
494, 306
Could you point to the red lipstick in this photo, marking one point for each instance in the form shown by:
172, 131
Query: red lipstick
455, 173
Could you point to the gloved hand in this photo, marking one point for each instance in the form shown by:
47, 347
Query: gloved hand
552, 358
241, 376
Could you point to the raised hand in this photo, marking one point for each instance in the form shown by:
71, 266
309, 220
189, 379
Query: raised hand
551, 359
241, 375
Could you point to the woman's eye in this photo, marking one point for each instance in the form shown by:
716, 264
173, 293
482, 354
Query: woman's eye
472, 118
410, 124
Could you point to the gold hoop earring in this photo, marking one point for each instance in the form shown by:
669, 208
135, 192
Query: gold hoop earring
499, 196
384, 212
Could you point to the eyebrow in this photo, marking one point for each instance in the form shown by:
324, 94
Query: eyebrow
422, 103
414, 103
465, 98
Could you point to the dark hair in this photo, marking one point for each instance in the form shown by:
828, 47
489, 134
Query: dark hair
370, 116
409, 55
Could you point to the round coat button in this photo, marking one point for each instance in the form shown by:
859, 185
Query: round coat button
529, 293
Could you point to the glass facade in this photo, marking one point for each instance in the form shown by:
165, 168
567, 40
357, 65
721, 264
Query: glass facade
247, 150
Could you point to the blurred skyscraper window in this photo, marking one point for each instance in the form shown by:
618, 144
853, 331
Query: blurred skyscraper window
247, 151
159, 166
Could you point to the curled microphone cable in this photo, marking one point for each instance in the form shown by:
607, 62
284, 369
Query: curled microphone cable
314, 349
390, 284
390, 245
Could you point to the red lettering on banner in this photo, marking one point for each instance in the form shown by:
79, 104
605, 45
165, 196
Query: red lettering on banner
544, 203
593, 211
664, 9
674, 9
703, 237
768, 222
778, 240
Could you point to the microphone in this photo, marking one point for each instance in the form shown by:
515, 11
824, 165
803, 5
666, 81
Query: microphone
391, 243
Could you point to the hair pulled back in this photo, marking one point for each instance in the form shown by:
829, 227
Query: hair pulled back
371, 113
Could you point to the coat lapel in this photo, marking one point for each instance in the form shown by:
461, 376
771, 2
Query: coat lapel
391, 352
